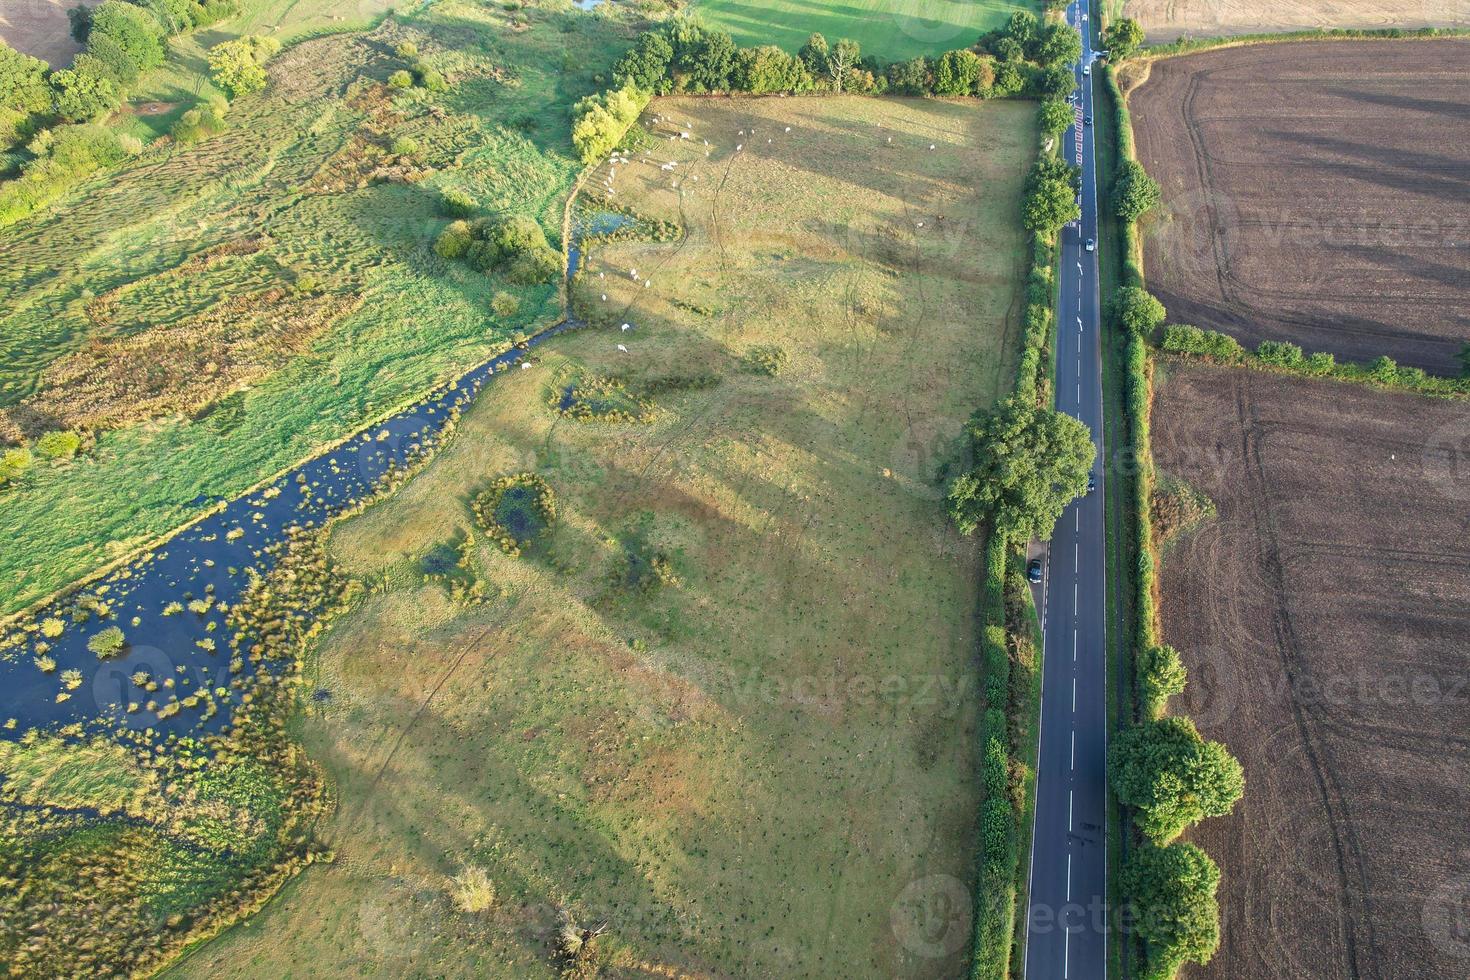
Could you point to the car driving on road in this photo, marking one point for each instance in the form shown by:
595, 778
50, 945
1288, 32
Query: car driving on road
1033, 571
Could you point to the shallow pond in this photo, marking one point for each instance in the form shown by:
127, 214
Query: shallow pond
595, 223
222, 550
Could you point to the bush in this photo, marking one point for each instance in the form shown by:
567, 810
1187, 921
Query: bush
200, 122
504, 305
406, 50
454, 241
59, 445
472, 890
1172, 894
13, 463
957, 73
1161, 675
400, 79
433, 80
1320, 363
1172, 776
767, 359
405, 146
1136, 310
108, 643
1279, 353
1180, 338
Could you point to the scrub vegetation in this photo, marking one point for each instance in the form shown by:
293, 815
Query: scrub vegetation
207, 311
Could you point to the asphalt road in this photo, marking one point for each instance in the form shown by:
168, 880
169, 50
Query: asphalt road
1066, 922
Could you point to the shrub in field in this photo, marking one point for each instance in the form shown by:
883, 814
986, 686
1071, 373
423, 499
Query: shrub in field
1181, 338
1320, 363
406, 146
238, 66
472, 890
13, 463
215, 11
201, 122
1384, 370
1171, 892
1172, 777
516, 510
504, 305
25, 96
406, 50
601, 120
107, 643
1161, 675
1029, 463
454, 241
1135, 193
432, 80
1137, 310
400, 79
767, 359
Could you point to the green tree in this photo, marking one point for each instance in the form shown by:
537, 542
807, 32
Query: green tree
1135, 193
645, 66
1161, 675
1172, 777
238, 66
79, 18
1055, 81
1055, 116
1059, 44
1023, 29
22, 82
1137, 310
1122, 38
602, 120
912, 77
844, 59
85, 92
957, 73
814, 54
1171, 896
768, 69
137, 32
1030, 463
1051, 196
702, 57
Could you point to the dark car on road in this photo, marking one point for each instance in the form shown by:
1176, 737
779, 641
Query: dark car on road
1033, 571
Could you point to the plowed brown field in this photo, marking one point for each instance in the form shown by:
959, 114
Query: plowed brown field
1317, 192
1325, 619
1167, 20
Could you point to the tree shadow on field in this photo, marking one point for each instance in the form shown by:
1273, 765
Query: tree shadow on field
1419, 174
1455, 110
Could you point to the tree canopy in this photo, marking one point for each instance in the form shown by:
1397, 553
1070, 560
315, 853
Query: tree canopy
1172, 776
1171, 894
1030, 463
1051, 196
1134, 192
1123, 38
1137, 310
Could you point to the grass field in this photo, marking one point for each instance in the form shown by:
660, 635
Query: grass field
890, 29
202, 236
727, 705
1322, 617
1307, 195
1168, 20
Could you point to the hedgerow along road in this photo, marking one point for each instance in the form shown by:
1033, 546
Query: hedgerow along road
1067, 920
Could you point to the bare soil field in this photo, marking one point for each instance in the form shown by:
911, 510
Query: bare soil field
40, 29
1323, 616
1168, 20
1314, 192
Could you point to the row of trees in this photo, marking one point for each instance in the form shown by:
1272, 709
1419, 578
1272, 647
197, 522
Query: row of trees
1023, 58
